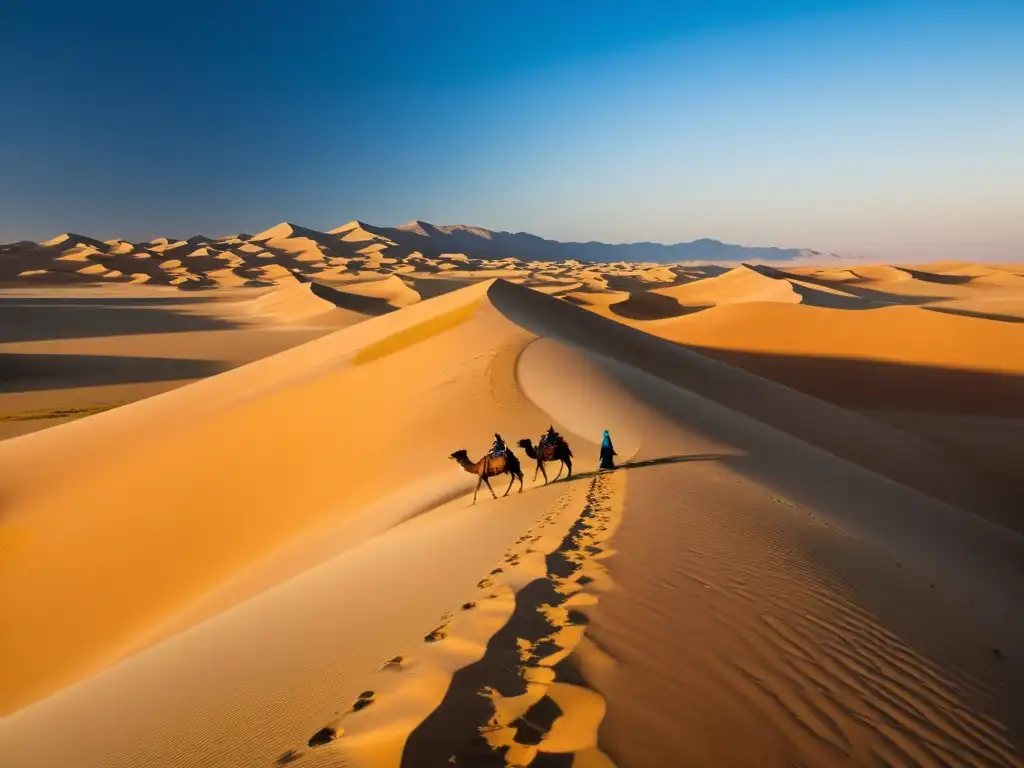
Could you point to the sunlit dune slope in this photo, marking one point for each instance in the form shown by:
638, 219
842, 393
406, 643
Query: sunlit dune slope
894, 356
296, 301
290, 526
741, 284
225, 471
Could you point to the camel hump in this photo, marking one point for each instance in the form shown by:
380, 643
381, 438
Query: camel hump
496, 464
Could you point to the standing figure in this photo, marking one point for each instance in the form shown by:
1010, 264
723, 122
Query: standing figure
607, 452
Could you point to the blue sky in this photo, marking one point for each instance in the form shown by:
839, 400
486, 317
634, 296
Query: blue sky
893, 129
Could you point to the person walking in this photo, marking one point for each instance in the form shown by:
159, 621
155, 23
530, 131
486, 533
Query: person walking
607, 452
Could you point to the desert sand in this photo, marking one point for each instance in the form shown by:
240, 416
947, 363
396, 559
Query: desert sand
233, 535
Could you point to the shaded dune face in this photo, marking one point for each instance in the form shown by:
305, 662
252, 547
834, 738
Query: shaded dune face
308, 583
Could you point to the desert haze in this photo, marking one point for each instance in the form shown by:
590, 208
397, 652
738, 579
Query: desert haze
234, 535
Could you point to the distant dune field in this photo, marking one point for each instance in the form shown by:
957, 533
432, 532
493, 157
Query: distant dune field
233, 534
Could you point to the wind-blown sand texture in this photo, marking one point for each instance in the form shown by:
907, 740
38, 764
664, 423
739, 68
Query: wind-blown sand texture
811, 554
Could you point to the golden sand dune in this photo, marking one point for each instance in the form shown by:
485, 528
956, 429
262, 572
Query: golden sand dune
280, 565
297, 301
908, 335
821, 295
597, 298
1001, 279
738, 285
814, 538
881, 273
391, 290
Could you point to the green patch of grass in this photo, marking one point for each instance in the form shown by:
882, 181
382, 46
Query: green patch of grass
58, 413
415, 333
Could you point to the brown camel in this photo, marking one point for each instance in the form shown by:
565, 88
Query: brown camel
491, 466
560, 451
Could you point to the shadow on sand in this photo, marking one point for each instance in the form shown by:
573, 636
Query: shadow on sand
36, 321
858, 383
680, 459
29, 372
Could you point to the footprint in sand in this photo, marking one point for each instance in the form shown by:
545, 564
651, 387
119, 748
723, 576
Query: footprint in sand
365, 699
438, 634
331, 732
324, 736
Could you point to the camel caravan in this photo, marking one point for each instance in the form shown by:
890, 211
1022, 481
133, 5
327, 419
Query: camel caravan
500, 460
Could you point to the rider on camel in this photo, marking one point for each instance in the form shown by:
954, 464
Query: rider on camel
498, 449
551, 437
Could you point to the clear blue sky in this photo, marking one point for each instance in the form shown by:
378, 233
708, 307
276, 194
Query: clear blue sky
885, 128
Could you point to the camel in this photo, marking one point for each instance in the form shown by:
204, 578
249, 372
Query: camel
491, 466
558, 452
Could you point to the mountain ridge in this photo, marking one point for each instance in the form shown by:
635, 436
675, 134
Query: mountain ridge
482, 243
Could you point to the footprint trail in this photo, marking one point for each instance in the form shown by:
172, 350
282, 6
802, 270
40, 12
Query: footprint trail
493, 684
523, 699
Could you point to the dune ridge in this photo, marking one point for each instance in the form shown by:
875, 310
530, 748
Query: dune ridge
298, 576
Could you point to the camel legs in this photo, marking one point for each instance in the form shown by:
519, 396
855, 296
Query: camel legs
568, 466
560, 468
511, 479
488, 483
520, 476
477, 488
540, 467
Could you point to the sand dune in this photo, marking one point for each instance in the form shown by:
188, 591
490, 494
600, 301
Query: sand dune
814, 537
898, 334
391, 290
749, 524
301, 301
738, 285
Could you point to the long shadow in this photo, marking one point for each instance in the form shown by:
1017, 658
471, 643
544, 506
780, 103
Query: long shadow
816, 298
30, 373
870, 294
680, 459
899, 387
979, 315
69, 321
644, 305
932, 277
99, 302
366, 305
708, 270
855, 383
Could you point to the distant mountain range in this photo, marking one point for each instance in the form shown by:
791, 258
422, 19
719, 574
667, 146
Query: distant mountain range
477, 242
288, 250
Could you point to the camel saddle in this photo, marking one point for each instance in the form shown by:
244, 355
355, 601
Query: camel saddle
496, 462
546, 452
